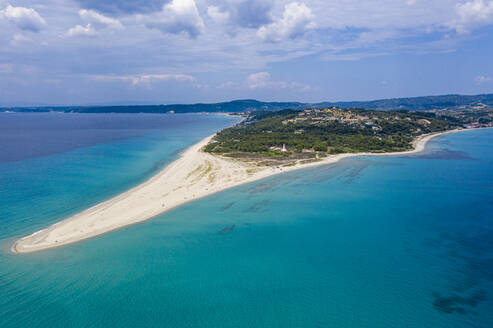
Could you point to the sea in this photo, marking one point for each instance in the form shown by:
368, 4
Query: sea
403, 241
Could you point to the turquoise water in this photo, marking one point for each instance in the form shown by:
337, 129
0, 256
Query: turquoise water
369, 242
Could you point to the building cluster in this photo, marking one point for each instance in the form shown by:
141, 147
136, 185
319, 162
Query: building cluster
283, 148
334, 114
478, 125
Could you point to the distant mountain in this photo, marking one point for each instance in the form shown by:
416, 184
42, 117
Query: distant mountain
423, 103
224, 107
416, 103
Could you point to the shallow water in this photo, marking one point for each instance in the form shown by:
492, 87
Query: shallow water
368, 242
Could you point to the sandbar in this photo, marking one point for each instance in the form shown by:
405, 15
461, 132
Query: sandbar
194, 175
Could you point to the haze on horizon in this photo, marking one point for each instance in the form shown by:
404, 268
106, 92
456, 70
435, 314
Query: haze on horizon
184, 51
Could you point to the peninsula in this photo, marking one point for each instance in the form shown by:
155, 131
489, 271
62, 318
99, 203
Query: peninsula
264, 144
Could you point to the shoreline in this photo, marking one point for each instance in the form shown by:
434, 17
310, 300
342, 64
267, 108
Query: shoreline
194, 175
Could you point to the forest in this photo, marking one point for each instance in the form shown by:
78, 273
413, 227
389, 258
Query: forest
332, 130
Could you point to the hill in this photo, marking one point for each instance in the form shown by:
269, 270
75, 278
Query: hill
454, 102
314, 133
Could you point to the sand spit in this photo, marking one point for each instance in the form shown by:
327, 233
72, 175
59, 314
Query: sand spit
194, 175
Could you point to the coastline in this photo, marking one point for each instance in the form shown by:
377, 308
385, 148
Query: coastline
194, 175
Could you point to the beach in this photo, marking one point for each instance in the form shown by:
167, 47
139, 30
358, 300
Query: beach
194, 175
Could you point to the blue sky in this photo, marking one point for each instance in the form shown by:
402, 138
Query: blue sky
185, 51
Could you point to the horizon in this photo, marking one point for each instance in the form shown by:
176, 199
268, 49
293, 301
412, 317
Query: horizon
136, 104
85, 52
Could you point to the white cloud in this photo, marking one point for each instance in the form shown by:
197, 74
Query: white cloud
95, 22
472, 14
481, 79
241, 13
80, 30
176, 17
218, 16
20, 39
263, 80
98, 20
26, 19
296, 20
145, 79
337, 30
259, 80
228, 85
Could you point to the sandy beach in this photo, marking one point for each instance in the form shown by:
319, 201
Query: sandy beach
194, 175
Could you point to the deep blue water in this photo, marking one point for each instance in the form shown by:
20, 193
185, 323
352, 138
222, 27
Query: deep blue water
368, 242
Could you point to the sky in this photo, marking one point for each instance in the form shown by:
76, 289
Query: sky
84, 52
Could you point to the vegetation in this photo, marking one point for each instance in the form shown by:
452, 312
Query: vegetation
318, 132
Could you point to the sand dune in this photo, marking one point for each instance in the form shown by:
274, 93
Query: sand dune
194, 175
